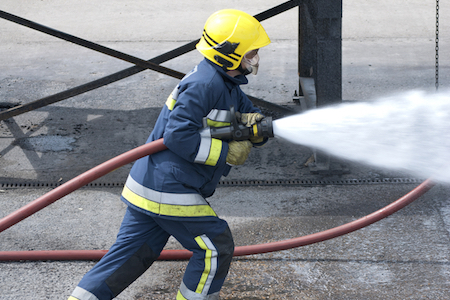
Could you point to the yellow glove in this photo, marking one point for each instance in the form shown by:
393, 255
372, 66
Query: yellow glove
238, 152
250, 119
256, 139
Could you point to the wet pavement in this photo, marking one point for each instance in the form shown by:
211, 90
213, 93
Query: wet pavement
272, 197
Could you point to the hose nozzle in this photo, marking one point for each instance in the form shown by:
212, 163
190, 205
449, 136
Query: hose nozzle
240, 132
264, 128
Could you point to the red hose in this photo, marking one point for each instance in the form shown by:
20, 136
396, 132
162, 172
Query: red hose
80, 181
154, 147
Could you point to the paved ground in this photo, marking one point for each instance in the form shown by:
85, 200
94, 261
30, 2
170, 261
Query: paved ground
388, 46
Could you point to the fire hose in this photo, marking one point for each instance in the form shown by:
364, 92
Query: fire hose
149, 149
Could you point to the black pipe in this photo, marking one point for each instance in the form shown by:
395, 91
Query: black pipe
91, 45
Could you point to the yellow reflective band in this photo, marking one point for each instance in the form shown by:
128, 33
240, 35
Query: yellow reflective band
170, 103
212, 123
167, 209
205, 274
214, 152
255, 130
180, 296
73, 298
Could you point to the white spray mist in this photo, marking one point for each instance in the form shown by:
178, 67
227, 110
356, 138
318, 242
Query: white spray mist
408, 132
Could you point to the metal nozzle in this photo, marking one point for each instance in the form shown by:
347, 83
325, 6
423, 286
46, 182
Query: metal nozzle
265, 127
240, 132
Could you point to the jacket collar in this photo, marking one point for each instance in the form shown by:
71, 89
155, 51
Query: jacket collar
238, 80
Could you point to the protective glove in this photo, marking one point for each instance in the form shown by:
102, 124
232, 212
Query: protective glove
256, 139
238, 152
249, 119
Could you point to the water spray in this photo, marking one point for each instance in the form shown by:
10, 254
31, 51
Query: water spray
407, 132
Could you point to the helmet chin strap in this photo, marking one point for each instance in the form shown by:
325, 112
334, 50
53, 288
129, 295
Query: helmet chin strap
226, 64
243, 71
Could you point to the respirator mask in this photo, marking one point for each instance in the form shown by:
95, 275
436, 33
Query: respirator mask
250, 62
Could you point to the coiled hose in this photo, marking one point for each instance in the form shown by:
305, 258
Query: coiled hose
152, 148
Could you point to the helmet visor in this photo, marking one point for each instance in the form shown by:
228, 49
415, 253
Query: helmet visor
251, 61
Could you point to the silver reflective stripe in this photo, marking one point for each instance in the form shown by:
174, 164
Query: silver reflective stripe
164, 198
218, 115
205, 146
190, 295
82, 294
213, 263
175, 92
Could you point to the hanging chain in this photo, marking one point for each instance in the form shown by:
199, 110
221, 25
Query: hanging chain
437, 45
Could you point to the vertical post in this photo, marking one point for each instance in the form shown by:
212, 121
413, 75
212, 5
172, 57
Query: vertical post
329, 52
320, 60
320, 47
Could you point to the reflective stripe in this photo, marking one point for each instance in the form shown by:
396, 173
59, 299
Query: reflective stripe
180, 296
216, 124
170, 103
164, 198
219, 115
175, 92
172, 99
82, 294
168, 209
176, 205
214, 152
209, 150
204, 147
210, 264
186, 294
214, 296
218, 118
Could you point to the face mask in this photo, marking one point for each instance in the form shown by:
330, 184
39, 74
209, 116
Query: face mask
251, 61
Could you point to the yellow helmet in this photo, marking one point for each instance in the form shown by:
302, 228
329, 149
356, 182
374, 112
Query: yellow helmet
229, 34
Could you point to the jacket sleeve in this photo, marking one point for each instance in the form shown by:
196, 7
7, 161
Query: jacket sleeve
183, 133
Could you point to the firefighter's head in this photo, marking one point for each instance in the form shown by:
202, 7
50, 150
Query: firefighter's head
231, 39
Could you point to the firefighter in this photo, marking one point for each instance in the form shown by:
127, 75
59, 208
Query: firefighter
166, 192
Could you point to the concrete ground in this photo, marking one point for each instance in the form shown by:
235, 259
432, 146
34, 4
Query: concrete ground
388, 46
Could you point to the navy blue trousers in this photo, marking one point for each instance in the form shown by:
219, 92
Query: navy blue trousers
139, 242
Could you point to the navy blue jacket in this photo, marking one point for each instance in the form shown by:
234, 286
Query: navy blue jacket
194, 162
